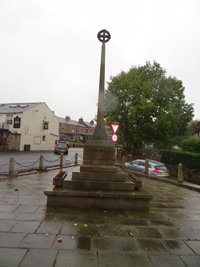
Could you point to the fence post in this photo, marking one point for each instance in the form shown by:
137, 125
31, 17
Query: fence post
76, 159
11, 167
61, 160
146, 167
180, 173
41, 163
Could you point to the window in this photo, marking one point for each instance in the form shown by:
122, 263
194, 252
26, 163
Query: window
9, 122
9, 119
44, 138
141, 163
45, 125
17, 122
37, 140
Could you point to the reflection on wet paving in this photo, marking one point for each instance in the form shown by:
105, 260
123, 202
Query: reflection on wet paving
168, 234
178, 247
114, 243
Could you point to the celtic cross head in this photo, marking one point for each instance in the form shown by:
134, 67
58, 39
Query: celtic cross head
103, 36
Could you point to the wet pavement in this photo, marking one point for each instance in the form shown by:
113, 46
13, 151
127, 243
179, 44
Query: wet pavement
33, 235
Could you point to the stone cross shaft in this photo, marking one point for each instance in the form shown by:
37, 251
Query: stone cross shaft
100, 131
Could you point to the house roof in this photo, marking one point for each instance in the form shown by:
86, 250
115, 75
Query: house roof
75, 123
71, 122
16, 107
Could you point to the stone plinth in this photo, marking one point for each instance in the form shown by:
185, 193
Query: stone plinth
98, 153
98, 199
99, 184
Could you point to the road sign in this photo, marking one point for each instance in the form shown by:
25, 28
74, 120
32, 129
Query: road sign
115, 127
114, 137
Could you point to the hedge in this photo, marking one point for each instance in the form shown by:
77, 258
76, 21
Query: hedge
191, 144
188, 159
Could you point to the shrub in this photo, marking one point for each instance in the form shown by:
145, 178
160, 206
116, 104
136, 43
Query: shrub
191, 145
188, 159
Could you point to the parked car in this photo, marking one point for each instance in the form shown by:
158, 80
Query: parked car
64, 142
61, 147
155, 168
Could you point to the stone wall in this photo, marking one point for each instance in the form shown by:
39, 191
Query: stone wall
10, 142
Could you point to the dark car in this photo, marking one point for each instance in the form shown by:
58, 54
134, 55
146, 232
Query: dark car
155, 168
61, 147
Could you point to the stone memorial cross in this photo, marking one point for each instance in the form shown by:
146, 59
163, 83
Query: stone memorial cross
100, 130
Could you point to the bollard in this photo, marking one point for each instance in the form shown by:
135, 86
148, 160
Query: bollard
76, 159
11, 167
180, 173
41, 163
123, 161
146, 167
61, 160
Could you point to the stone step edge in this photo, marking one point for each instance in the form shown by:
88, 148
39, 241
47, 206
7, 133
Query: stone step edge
99, 194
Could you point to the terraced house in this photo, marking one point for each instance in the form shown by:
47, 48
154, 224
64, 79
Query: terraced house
72, 130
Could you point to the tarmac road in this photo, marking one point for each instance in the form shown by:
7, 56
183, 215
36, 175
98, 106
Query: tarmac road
30, 160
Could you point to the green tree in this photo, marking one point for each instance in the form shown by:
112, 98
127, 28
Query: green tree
194, 126
149, 106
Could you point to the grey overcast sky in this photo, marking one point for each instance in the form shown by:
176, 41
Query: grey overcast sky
49, 51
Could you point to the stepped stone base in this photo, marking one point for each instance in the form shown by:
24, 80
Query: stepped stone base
98, 199
95, 185
99, 184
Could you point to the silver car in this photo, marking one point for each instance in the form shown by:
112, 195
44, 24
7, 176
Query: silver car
155, 168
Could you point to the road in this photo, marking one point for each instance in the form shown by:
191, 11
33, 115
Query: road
24, 161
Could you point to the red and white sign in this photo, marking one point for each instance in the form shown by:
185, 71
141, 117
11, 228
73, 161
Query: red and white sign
114, 137
115, 127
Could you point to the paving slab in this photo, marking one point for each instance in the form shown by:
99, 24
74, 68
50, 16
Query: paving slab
49, 227
151, 246
25, 226
178, 247
39, 258
114, 243
6, 225
172, 232
194, 245
117, 259
191, 261
65, 242
11, 239
76, 259
37, 241
166, 260
10, 257
26, 208
147, 232
32, 234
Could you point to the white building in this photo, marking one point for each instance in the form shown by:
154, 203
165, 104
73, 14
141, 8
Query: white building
34, 123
